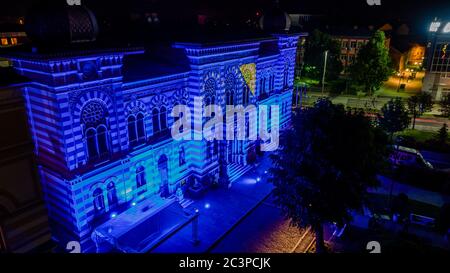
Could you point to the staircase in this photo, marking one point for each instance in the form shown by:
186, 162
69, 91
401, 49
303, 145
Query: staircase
186, 202
236, 170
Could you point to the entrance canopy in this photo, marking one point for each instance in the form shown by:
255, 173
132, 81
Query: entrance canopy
142, 227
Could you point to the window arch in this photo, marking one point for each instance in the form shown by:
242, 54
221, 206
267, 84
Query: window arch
163, 118
140, 126
210, 87
210, 91
99, 200
155, 120
230, 88
136, 129
93, 118
159, 119
112, 195
102, 140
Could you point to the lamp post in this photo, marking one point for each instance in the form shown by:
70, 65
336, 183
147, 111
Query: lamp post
324, 70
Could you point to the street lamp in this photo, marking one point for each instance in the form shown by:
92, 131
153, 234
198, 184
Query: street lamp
324, 69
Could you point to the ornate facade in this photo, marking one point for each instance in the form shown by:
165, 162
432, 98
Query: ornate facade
101, 123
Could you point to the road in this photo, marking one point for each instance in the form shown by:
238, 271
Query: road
430, 124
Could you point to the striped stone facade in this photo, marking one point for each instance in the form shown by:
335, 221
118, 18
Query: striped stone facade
103, 144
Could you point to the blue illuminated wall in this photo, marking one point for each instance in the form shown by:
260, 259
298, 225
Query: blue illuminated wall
92, 163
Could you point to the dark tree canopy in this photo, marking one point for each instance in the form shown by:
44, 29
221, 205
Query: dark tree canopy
326, 163
394, 116
372, 66
419, 104
318, 42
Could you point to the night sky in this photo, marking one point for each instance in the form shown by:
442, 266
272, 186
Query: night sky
417, 13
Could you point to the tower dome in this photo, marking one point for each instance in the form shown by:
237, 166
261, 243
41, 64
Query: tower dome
275, 20
61, 24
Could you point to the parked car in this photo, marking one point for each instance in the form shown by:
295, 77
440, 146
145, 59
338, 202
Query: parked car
409, 166
404, 156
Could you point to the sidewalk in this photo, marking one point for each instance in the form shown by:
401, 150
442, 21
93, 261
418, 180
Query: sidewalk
220, 210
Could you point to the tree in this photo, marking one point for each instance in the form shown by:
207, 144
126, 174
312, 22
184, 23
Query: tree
318, 42
394, 117
418, 105
445, 105
324, 166
442, 135
372, 66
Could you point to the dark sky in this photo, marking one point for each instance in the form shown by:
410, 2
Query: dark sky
415, 12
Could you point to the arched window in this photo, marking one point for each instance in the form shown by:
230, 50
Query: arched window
132, 137
140, 177
163, 118
210, 91
136, 129
91, 141
102, 140
230, 88
155, 120
112, 195
99, 201
140, 126
93, 118
181, 157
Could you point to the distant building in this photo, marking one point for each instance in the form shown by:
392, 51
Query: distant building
437, 76
350, 40
12, 38
12, 32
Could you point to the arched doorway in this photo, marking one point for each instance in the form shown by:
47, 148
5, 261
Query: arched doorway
164, 175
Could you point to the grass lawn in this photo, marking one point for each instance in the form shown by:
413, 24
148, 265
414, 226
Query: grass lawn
419, 136
386, 91
308, 81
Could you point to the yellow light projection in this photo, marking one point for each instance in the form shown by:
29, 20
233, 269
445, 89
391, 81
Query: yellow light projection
248, 71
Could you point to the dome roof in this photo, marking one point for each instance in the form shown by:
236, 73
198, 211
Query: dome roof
275, 20
61, 25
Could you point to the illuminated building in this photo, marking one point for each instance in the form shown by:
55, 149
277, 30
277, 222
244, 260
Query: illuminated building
100, 121
437, 76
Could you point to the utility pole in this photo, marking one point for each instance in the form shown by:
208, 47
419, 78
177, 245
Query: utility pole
324, 70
